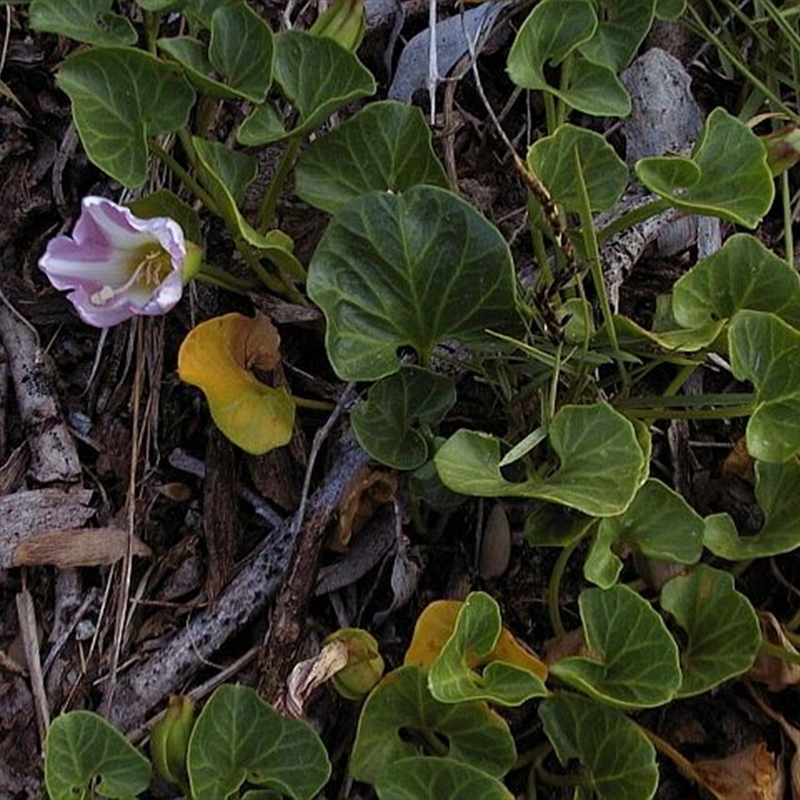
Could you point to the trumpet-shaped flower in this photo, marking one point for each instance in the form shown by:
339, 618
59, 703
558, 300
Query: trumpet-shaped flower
116, 265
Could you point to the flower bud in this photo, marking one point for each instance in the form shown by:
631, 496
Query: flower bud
344, 22
364, 663
783, 149
169, 741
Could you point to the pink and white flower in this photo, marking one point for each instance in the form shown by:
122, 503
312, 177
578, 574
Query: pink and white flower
116, 266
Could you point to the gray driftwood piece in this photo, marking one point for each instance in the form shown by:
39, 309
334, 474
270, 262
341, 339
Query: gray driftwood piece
665, 119
141, 689
54, 458
23, 514
412, 72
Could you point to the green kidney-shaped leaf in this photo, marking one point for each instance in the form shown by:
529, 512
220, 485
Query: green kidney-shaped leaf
401, 703
659, 523
241, 49
431, 778
410, 269
552, 159
622, 26
632, 659
551, 525
586, 440
120, 97
218, 170
619, 760
317, 76
89, 21
742, 194
84, 755
553, 32
386, 146
235, 169
386, 424
742, 274
721, 626
238, 737
766, 351
778, 497
238, 61
452, 678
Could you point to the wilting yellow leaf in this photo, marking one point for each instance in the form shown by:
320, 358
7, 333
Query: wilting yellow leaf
217, 357
434, 627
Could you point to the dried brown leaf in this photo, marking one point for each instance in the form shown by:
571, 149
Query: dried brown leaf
367, 491
775, 673
750, 774
76, 547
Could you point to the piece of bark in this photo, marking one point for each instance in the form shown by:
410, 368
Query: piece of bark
54, 458
288, 620
71, 547
25, 513
221, 526
144, 686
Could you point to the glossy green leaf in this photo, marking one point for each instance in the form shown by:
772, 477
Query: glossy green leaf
554, 31
670, 9
275, 244
452, 678
552, 525
778, 497
721, 626
742, 274
659, 523
633, 338
401, 704
120, 96
386, 146
263, 126
766, 351
89, 21
387, 423
622, 26
408, 270
742, 195
632, 660
317, 76
238, 737
235, 169
552, 159
159, 5
84, 755
585, 438
619, 761
421, 778
241, 49
237, 63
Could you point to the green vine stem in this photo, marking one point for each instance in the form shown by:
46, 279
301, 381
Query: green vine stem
269, 202
219, 277
185, 178
554, 588
776, 651
596, 265
633, 217
685, 767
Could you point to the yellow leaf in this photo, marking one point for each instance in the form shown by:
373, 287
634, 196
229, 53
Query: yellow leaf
217, 357
435, 626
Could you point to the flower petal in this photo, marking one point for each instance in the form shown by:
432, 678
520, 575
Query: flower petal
103, 263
